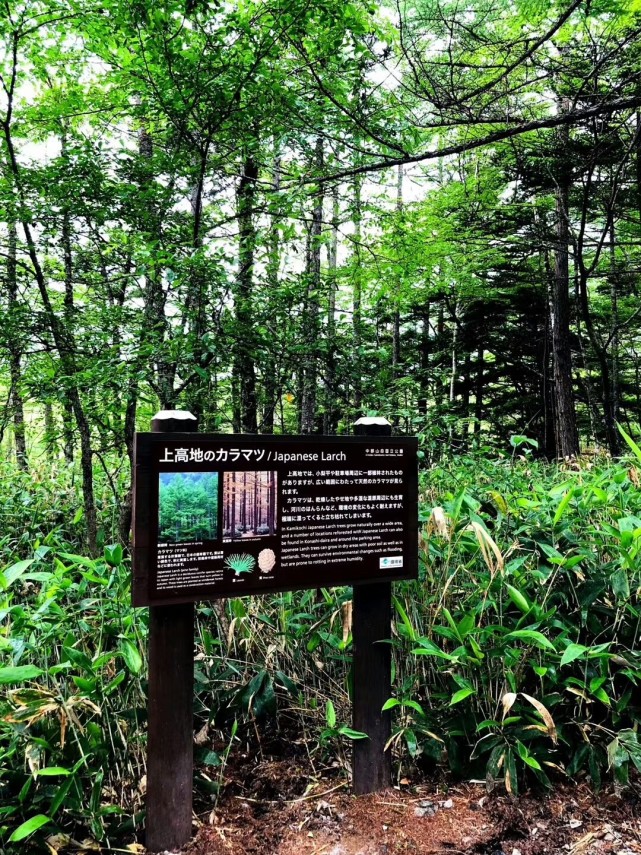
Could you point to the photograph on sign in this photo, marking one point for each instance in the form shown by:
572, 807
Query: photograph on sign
249, 504
224, 515
187, 506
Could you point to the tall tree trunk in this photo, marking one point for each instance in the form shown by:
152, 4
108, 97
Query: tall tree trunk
614, 340
69, 319
567, 437
270, 379
15, 353
155, 327
197, 295
330, 415
424, 361
129, 430
466, 388
308, 403
396, 312
357, 295
440, 368
479, 384
244, 355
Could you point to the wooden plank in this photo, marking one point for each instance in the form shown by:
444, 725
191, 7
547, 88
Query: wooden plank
372, 668
170, 748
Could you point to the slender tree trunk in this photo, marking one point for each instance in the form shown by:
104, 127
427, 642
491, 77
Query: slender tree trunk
308, 403
424, 361
330, 415
15, 353
69, 319
129, 430
453, 356
196, 303
466, 388
357, 294
440, 368
244, 355
614, 339
396, 315
567, 438
270, 379
155, 328
546, 365
50, 431
479, 385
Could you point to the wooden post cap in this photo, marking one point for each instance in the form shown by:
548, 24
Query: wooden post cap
372, 426
174, 421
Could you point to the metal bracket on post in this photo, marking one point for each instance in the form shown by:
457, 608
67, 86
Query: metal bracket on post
372, 666
170, 751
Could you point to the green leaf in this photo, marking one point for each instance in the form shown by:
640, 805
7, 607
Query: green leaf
27, 828
532, 635
414, 705
631, 443
113, 555
19, 674
411, 632
50, 771
459, 696
330, 714
9, 576
517, 440
620, 584
429, 648
390, 703
133, 659
78, 559
352, 734
600, 695
518, 599
565, 501
572, 652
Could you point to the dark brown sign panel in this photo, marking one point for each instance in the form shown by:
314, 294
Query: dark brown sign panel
227, 515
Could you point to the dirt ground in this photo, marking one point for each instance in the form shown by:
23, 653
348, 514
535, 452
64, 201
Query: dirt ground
279, 807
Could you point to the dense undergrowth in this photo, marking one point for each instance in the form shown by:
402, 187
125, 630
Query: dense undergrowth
515, 652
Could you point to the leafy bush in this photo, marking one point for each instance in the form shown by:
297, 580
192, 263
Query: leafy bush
72, 716
518, 644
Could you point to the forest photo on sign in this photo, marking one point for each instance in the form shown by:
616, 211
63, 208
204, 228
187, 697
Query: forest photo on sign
280, 217
188, 506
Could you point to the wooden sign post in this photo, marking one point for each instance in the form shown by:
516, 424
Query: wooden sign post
372, 667
220, 515
170, 705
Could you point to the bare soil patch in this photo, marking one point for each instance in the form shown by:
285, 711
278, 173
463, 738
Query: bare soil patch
281, 807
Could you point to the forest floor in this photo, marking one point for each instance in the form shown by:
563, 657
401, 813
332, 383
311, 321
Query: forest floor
276, 806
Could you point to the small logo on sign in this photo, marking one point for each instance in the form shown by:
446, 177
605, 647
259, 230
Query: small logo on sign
390, 561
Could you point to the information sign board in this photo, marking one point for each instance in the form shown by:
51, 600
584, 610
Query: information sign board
218, 515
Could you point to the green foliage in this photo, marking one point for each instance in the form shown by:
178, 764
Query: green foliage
72, 711
514, 654
521, 635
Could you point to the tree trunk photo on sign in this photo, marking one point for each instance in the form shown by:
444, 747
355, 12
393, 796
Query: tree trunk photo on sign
249, 504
